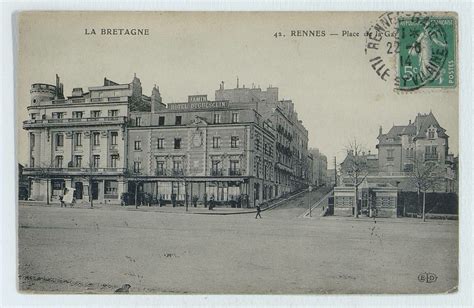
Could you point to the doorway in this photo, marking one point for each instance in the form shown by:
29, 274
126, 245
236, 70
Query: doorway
79, 190
95, 190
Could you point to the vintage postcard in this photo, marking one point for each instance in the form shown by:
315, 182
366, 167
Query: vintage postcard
237, 152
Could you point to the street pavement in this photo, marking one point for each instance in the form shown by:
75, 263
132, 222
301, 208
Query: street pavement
81, 250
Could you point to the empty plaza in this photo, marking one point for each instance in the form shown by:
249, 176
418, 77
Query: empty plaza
170, 251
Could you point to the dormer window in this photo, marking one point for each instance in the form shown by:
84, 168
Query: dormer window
431, 134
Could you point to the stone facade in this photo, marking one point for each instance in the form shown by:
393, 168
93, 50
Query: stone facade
79, 141
114, 139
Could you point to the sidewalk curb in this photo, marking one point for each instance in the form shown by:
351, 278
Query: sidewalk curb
100, 207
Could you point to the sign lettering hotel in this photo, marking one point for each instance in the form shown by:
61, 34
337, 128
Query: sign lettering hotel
198, 105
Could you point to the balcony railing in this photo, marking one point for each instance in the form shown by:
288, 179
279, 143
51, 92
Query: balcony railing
52, 170
431, 156
74, 121
217, 172
160, 172
235, 171
178, 172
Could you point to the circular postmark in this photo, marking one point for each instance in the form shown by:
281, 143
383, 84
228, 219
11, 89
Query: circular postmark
412, 50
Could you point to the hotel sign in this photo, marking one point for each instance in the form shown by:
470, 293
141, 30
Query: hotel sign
198, 105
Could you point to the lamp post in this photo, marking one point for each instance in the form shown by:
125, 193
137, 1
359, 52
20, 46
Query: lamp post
310, 188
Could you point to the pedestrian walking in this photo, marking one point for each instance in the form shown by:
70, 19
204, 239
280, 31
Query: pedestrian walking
211, 203
61, 199
258, 209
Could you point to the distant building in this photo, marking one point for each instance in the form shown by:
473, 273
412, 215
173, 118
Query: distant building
331, 177
320, 167
291, 140
370, 162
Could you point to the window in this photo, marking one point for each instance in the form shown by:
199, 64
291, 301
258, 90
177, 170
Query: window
59, 161
32, 140
77, 114
431, 134
113, 160
217, 118
78, 139
58, 115
177, 143
78, 161
138, 145
34, 116
110, 187
161, 121
431, 152
96, 138
161, 142
113, 113
113, 138
95, 113
216, 168
234, 167
178, 120
177, 166
216, 142
32, 162
390, 154
160, 168
59, 140
234, 141
138, 121
137, 166
96, 161
235, 117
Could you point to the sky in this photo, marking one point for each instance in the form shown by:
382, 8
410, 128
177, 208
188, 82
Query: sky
336, 92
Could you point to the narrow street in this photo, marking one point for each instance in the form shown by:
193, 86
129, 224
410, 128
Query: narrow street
294, 208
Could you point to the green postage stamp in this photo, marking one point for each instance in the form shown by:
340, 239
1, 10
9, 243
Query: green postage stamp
427, 55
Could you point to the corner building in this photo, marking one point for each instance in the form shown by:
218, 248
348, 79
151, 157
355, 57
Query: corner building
78, 141
203, 149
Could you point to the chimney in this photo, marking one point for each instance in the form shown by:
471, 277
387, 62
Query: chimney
409, 122
380, 130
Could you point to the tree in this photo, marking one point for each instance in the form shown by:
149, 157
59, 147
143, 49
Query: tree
426, 175
90, 173
355, 167
181, 174
137, 182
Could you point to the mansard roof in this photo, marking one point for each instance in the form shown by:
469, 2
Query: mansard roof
424, 121
417, 129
